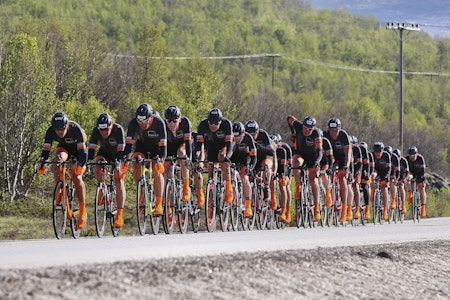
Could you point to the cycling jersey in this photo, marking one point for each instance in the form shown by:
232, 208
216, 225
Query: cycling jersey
339, 145
183, 135
152, 140
215, 141
112, 147
417, 167
383, 166
327, 153
244, 153
74, 142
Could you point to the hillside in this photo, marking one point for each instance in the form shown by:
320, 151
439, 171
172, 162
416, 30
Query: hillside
89, 56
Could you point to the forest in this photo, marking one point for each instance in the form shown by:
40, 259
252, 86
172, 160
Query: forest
254, 59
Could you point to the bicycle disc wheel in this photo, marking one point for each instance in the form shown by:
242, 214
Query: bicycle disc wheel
169, 207
59, 215
141, 206
100, 209
210, 207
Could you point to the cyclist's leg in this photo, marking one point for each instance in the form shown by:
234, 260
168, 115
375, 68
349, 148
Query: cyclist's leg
343, 193
326, 184
384, 191
313, 181
158, 183
119, 181
393, 192
226, 175
80, 189
423, 198
181, 152
297, 161
247, 192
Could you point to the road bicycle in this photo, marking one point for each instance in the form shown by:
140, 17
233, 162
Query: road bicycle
335, 210
195, 213
262, 205
395, 214
145, 198
64, 208
237, 207
215, 205
304, 206
105, 205
174, 207
377, 210
416, 204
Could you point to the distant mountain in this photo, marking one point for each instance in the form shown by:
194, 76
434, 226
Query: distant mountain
432, 15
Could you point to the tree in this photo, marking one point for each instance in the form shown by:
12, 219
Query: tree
26, 94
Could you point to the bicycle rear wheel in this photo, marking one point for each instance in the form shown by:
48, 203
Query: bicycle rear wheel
155, 221
74, 208
416, 207
111, 208
262, 209
224, 210
236, 207
141, 206
59, 215
100, 209
183, 213
169, 207
210, 207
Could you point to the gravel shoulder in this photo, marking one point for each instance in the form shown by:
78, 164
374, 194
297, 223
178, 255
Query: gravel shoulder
418, 270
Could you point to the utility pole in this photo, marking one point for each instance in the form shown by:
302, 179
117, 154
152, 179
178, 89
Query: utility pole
401, 27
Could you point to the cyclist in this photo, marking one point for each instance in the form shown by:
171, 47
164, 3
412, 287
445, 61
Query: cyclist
395, 173
72, 142
326, 164
402, 178
342, 152
382, 170
307, 152
284, 156
215, 134
244, 156
266, 159
111, 139
417, 167
366, 173
179, 144
147, 133
356, 182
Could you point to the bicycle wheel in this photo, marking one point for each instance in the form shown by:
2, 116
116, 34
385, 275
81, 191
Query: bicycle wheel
100, 209
210, 207
59, 215
155, 221
322, 207
236, 207
416, 207
75, 209
224, 210
262, 209
169, 203
141, 206
298, 213
183, 210
249, 222
111, 208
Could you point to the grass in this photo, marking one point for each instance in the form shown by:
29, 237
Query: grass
30, 218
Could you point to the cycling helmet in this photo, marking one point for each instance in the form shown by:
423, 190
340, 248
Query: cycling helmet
378, 147
104, 120
309, 122
251, 126
363, 144
334, 123
59, 121
172, 113
276, 137
388, 149
144, 112
397, 152
412, 150
215, 116
354, 139
238, 128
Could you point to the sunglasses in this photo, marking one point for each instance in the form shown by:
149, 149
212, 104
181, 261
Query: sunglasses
103, 129
172, 121
216, 123
59, 129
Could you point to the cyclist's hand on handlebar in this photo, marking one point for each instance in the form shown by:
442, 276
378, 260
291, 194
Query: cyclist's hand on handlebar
42, 169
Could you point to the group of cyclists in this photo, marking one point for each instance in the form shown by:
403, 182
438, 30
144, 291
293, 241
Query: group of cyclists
247, 147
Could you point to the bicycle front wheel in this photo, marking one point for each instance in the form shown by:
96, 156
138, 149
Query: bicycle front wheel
100, 209
59, 214
169, 207
141, 206
210, 207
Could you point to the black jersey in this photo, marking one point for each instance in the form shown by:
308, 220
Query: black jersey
112, 147
183, 135
74, 142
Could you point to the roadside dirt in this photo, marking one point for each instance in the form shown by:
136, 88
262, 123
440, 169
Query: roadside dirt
393, 271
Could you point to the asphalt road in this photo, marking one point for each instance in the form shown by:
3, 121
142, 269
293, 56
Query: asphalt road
52, 252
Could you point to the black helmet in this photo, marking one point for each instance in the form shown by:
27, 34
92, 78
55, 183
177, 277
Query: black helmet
276, 137
238, 128
309, 122
215, 116
172, 113
378, 147
251, 126
397, 152
59, 120
413, 150
334, 123
144, 112
388, 149
104, 120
